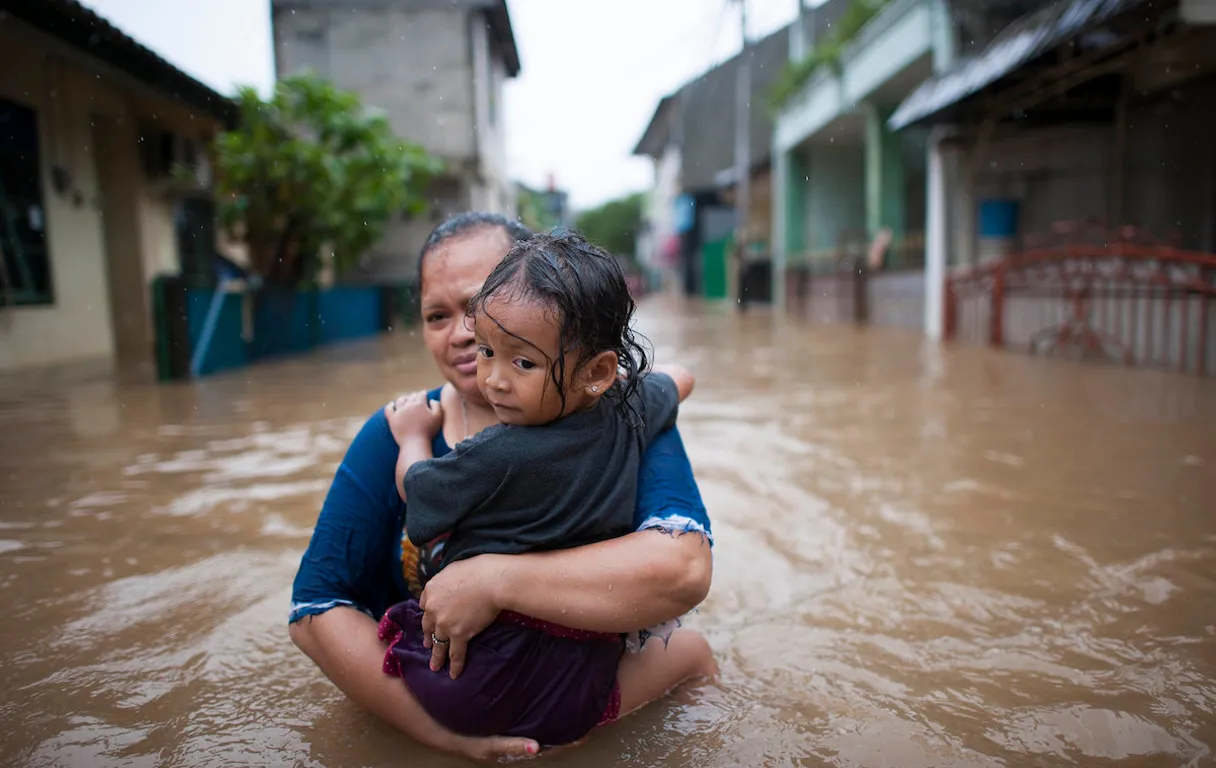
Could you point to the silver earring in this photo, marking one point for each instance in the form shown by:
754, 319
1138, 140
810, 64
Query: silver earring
594, 389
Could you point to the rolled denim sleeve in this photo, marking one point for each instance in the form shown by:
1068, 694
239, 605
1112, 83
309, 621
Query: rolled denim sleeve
668, 498
348, 559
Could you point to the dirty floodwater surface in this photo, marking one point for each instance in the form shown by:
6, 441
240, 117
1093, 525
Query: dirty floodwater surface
924, 557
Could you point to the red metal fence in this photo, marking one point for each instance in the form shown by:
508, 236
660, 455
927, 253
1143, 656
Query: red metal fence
1086, 292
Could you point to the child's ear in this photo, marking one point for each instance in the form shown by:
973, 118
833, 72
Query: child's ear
599, 374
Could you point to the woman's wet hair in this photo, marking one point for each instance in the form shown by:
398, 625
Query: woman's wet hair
585, 287
468, 223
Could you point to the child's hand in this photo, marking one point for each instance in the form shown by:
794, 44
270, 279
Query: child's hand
414, 416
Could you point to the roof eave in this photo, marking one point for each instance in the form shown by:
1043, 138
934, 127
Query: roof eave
1020, 43
504, 36
85, 30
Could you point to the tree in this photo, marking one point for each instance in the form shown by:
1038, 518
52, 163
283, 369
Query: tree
309, 175
614, 226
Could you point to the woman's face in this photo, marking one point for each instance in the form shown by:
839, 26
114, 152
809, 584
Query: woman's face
452, 273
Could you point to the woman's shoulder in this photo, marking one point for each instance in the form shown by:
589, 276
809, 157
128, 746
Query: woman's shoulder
375, 442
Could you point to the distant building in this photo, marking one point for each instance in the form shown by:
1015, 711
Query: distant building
541, 210
436, 68
1081, 129
91, 124
690, 211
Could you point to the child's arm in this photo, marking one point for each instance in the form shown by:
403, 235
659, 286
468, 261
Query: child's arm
414, 448
683, 378
414, 421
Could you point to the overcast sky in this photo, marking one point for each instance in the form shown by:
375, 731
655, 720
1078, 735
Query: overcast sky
593, 70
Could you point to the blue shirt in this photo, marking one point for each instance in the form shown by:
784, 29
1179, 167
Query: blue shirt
355, 556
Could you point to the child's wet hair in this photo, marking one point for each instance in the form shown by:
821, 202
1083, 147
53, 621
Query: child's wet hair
585, 287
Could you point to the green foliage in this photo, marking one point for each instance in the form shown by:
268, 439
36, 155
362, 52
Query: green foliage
826, 52
533, 209
614, 225
311, 171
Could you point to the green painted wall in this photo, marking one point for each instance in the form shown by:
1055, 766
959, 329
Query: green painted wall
795, 204
885, 179
835, 194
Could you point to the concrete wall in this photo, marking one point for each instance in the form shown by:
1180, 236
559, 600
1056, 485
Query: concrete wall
496, 192
69, 94
897, 299
1058, 175
434, 72
1170, 166
1169, 171
415, 65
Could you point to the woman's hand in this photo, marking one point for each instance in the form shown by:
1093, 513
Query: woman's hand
457, 603
414, 415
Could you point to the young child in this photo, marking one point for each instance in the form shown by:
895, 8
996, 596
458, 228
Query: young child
560, 365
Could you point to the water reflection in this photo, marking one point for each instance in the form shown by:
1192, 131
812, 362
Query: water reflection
925, 557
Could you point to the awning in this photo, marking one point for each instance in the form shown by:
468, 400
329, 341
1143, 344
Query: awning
1020, 42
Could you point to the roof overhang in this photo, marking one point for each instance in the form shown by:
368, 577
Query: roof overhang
504, 36
1027, 39
81, 28
654, 138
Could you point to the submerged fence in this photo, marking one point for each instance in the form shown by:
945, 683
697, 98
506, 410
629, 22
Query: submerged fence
202, 329
1093, 296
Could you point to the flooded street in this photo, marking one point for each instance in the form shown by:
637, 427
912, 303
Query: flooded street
924, 557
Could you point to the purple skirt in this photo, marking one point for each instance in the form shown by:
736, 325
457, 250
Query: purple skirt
522, 677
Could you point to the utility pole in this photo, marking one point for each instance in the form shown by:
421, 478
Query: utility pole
743, 96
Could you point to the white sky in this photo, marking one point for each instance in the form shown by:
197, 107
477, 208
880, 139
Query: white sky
592, 70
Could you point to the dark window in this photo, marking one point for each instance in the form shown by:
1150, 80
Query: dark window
196, 238
26, 274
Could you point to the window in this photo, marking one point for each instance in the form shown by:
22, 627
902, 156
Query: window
25, 277
196, 238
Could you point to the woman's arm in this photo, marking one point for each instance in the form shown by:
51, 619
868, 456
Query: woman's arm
658, 573
684, 380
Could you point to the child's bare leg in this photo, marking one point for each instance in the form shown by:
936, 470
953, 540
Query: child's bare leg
648, 675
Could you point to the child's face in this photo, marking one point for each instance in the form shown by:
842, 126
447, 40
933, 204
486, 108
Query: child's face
517, 346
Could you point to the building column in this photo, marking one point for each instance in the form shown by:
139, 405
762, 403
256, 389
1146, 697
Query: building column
789, 217
936, 224
885, 194
780, 219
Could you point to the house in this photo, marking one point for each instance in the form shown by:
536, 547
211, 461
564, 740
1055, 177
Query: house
436, 68
849, 188
1077, 140
92, 125
689, 217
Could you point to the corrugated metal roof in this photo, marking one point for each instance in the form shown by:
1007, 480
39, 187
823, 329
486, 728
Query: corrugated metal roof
82, 28
654, 138
707, 104
1024, 40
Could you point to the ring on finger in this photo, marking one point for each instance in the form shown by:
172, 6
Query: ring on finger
437, 641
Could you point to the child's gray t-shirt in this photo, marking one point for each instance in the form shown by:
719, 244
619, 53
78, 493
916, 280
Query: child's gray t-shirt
512, 489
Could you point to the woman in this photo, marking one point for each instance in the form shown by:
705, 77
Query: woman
352, 570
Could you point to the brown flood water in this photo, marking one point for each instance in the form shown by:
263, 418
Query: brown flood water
925, 557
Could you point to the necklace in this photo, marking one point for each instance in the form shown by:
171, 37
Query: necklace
464, 411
